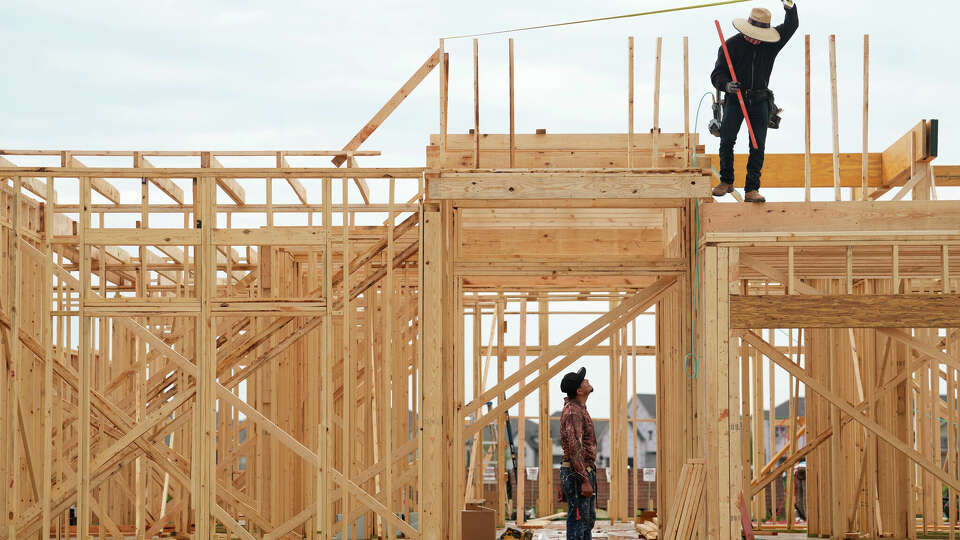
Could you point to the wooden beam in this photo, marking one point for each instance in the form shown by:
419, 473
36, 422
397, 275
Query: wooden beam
99, 185
900, 156
165, 185
788, 170
568, 184
231, 172
947, 175
294, 183
389, 107
785, 221
846, 311
33, 185
230, 186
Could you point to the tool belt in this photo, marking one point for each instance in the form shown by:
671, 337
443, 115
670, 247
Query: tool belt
757, 94
561, 496
588, 468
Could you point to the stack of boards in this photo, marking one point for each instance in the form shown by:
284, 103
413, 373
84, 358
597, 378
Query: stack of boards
687, 505
649, 529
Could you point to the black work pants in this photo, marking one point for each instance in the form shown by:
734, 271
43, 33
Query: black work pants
759, 113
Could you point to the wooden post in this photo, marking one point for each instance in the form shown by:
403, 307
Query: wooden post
503, 507
630, 102
545, 466
325, 513
725, 511
613, 504
772, 395
633, 427
806, 132
521, 419
388, 356
952, 443
444, 75
48, 417
513, 142
206, 417
431, 331
347, 440
837, 524
84, 435
864, 173
688, 148
14, 364
8, 429
835, 115
655, 130
476, 104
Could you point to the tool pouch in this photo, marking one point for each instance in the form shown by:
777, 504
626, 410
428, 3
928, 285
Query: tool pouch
774, 113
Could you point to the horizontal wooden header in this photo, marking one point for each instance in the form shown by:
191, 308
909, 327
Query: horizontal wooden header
226, 172
846, 311
568, 184
783, 221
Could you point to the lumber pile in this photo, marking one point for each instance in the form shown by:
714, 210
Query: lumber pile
687, 503
649, 529
541, 522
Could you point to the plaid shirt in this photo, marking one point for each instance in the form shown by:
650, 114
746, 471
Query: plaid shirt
577, 437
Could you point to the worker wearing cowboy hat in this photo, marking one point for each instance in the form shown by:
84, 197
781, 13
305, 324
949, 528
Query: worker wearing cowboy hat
752, 53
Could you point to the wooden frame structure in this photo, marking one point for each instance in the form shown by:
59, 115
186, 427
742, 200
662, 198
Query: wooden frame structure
247, 347
867, 290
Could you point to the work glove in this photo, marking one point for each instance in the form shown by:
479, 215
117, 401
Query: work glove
732, 87
787, 4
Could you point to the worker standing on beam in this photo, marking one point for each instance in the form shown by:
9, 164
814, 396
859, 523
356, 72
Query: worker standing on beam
752, 53
578, 473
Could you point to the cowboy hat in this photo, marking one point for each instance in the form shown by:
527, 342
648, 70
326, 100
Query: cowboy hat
758, 26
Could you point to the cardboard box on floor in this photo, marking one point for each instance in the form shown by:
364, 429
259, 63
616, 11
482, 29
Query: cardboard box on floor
478, 523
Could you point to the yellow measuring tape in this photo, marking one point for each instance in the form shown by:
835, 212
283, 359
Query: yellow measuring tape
684, 8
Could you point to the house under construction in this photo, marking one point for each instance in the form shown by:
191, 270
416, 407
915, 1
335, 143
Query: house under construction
250, 348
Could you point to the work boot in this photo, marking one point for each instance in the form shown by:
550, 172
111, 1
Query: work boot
753, 196
722, 189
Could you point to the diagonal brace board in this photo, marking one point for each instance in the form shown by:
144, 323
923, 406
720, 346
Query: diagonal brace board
622, 315
297, 447
141, 427
820, 388
389, 107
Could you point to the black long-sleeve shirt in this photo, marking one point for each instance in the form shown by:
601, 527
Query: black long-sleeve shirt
753, 63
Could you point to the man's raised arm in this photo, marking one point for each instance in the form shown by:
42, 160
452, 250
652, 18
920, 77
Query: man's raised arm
790, 23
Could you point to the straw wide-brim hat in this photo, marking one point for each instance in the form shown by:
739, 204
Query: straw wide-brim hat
758, 26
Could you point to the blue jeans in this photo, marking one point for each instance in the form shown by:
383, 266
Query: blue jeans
582, 511
759, 112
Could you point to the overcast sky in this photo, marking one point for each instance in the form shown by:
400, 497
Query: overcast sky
308, 75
